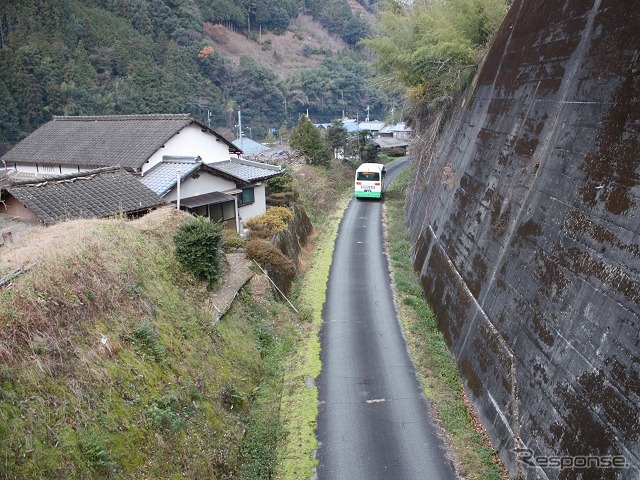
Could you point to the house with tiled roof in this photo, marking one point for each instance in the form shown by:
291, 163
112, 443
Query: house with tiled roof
97, 193
351, 126
249, 147
385, 144
400, 131
66, 145
373, 126
148, 146
229, 191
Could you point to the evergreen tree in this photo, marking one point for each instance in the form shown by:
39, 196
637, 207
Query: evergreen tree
307, 139
8, 115
337, 137
354, 30
153, 56
26, 89
82, 94
258, 92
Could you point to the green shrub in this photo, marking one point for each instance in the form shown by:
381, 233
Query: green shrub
198, 244
395, 152
281, 183
164, 412
231, 240
147, 342
281, 191
281, 199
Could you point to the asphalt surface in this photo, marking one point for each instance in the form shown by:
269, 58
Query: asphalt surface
373, 421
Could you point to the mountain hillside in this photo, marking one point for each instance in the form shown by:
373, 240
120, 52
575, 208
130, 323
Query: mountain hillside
283, 54
203, 57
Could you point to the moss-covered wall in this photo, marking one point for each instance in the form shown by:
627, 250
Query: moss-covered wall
525, 216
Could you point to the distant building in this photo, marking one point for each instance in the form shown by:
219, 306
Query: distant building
399, 130
373, 126
250, 148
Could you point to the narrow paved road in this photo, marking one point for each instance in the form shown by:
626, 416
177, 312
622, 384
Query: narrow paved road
373, 422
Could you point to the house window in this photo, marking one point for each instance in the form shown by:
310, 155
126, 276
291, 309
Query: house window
221, 212
246, 197
201, 211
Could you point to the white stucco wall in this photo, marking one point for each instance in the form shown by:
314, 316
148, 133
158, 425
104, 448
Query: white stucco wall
191, 142
258, 207
205, 183
48, 169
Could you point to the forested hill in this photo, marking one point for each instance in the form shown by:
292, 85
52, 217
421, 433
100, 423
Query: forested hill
271, 59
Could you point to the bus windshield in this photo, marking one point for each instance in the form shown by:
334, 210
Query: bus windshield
369, 176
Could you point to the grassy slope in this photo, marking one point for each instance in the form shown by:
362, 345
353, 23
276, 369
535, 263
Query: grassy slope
111, 364
300, 399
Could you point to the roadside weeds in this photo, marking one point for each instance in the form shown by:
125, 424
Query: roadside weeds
299, 404
468, 444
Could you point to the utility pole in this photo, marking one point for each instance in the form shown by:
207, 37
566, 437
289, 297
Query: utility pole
240, 127
286, 113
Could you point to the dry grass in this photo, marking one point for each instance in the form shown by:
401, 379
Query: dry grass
40, 243
68, 238
77, 277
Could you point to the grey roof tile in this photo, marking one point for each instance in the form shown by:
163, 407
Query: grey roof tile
389, 142
246, 170
99, 141
374, 125
163, 176
249, 147
94, 194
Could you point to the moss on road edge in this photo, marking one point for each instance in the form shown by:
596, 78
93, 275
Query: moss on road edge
299, 404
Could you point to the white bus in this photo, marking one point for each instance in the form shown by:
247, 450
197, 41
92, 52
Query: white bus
369, 181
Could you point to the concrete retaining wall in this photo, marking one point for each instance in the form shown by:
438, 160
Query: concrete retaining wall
525, 215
